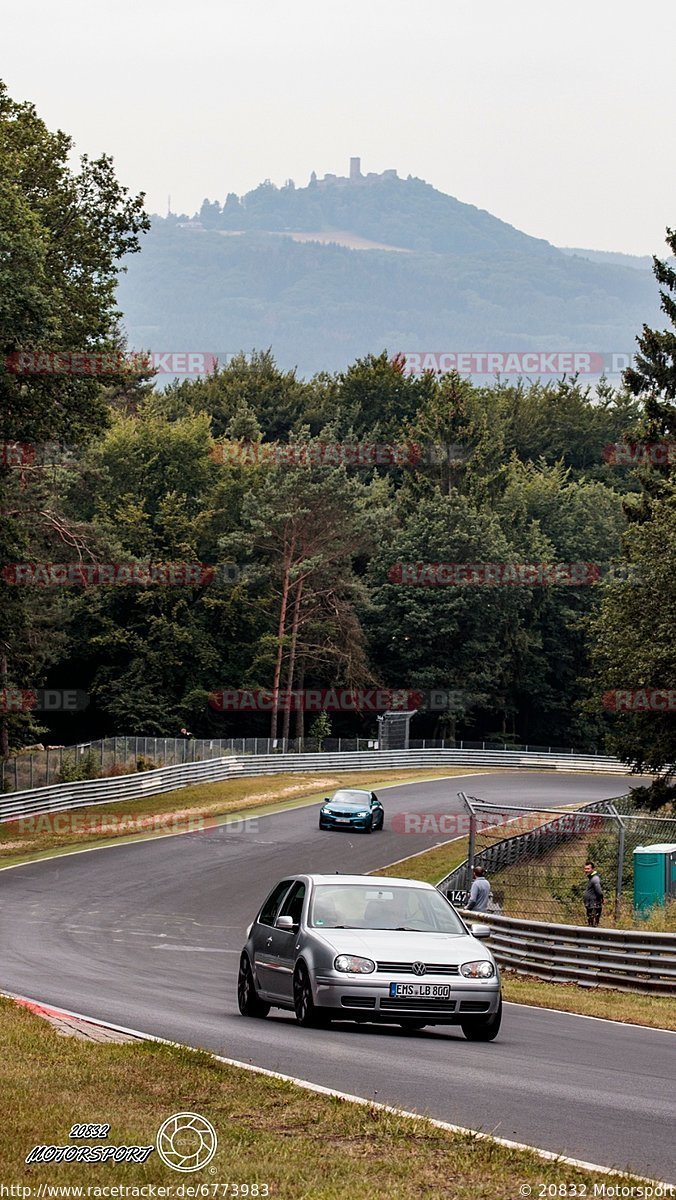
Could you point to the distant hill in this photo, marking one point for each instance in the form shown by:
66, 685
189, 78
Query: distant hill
250, 273
639, 262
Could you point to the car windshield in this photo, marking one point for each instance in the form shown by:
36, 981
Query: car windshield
362, 906
348, 799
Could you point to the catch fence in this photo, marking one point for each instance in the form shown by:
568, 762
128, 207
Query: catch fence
534, 857
110, 757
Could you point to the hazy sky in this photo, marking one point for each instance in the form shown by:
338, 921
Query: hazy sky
555, 116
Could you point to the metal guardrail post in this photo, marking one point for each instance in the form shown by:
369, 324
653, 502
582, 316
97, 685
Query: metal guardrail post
619, 877
620, 870
470, 850
471, 843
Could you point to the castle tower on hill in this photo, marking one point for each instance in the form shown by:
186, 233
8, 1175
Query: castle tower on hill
355, 176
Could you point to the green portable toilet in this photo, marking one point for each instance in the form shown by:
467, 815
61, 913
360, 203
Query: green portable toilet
654, 875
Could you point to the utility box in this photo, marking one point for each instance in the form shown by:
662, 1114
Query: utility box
654, 875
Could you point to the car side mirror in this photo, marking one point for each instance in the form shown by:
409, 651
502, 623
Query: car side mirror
327, 799
285, 923
479, 931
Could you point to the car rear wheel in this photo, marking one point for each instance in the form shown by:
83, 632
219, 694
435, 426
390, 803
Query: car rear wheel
483, 1029
306, 1011
247, 997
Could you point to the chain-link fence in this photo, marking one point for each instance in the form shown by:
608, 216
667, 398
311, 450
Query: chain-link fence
534, 858
125, 755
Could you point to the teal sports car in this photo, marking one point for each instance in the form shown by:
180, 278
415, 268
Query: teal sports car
352, 808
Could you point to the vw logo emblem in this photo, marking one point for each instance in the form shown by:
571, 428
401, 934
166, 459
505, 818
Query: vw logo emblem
419, 968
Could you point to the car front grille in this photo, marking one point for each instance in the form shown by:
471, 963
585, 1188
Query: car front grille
416, 1004
406, 968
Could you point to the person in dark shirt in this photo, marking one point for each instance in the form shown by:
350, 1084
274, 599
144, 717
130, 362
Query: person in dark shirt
593, 895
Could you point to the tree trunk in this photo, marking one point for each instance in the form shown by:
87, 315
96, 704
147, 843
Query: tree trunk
300, 711
292, 657
4, 722
280, 641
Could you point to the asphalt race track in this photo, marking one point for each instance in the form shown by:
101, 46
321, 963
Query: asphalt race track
148, 935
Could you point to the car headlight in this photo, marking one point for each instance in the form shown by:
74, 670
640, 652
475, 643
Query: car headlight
362, 814
478, 970
354, 964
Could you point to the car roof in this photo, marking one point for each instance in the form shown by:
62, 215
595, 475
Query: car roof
369, 880
354, 791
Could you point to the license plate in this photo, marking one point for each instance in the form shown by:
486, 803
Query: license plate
429, 991
343, 819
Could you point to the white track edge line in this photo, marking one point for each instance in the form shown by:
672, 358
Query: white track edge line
590, 1016
307, 1085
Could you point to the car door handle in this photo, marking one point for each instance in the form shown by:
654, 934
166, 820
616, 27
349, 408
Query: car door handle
269, 942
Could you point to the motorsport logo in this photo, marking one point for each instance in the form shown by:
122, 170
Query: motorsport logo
185, 1142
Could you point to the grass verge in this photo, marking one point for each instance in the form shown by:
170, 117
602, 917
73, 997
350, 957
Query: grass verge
270, 1132
430, 865
194, 807
656, 1012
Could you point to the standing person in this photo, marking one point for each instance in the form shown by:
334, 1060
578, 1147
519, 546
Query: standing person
481, 890
593, 895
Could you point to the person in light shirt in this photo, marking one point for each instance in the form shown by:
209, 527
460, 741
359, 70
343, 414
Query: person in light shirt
480, 891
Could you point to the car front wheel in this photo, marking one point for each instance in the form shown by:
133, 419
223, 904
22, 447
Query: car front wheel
306, 1011
483, 1029
247, 997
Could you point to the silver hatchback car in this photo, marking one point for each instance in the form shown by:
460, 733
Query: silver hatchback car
362, 948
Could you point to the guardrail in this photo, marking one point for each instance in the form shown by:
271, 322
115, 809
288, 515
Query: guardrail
59, 797
121, 755
624, 959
